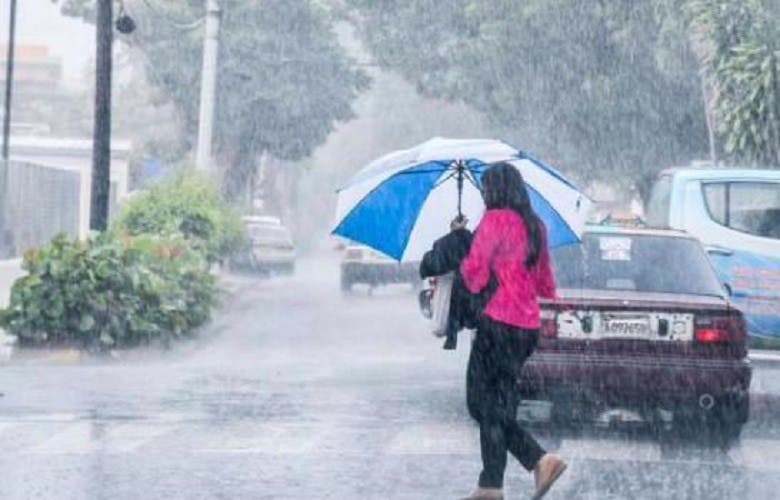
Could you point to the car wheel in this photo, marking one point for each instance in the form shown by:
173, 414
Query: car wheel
346, 284
727, 435
720, 427
730, 414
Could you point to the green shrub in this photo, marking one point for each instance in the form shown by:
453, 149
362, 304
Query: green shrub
110, 292
188, 204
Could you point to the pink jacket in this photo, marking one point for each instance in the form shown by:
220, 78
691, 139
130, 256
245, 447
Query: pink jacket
500, 245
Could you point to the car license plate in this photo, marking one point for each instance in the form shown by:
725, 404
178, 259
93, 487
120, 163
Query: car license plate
627, 328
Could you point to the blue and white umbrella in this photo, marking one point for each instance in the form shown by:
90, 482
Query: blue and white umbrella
401, 203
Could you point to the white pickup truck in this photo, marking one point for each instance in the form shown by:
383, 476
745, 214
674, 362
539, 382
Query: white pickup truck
735, 213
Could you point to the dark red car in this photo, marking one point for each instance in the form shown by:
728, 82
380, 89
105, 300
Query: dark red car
642, 330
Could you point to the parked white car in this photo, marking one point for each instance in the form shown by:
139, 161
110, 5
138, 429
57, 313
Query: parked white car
270, 246
736, 214
362, 265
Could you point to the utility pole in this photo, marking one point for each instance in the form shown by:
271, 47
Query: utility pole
5, 232
101, 142
208, 85
9, 79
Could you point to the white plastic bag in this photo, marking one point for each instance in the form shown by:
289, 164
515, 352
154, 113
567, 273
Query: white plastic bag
441, 304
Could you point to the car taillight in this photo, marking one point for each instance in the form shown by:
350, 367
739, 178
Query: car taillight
549, 327
720, 329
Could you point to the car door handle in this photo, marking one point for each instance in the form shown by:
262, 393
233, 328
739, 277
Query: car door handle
717, 250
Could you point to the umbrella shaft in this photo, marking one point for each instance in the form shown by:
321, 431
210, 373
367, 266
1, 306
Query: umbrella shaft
460, 188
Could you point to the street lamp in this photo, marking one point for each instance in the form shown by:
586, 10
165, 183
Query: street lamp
208, 84
101, 142
5, 233
9, 78
124, 23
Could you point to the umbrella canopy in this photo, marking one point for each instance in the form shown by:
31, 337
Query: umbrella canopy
401, 203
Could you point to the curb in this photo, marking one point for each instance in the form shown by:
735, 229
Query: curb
48, 356
764, 357
228, 283
232, 284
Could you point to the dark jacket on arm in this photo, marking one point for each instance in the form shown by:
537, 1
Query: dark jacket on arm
465, 307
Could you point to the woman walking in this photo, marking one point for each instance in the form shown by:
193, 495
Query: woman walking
510, 246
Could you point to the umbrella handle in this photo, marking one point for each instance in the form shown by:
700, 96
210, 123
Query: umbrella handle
460, 169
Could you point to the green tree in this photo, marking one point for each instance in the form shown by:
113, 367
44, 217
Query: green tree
284, 80
603, 88
738, 42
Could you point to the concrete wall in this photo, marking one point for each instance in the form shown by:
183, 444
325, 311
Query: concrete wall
10, 270
43, 202
52, 183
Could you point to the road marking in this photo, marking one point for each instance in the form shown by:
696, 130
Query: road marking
609, 449
128, 438
47, 417
437, 439
329, 439
95, 437
757, 454
4, 426
266, 438
78, 437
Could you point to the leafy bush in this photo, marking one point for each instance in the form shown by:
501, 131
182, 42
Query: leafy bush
110, 291
186, 204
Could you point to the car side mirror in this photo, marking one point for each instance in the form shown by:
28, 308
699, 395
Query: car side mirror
729, 290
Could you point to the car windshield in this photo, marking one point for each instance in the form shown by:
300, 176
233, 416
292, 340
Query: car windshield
643, 263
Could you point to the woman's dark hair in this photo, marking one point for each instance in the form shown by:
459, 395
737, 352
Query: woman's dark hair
503, 187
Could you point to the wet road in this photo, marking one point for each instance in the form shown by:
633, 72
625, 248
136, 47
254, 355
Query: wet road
296, 392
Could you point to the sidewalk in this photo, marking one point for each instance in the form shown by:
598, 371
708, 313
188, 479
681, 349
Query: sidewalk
231, 285
9, 271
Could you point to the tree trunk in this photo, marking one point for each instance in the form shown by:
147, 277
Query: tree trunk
237, 178
709, 115
269, 187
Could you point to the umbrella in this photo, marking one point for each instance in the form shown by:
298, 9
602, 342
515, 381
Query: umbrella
401, 203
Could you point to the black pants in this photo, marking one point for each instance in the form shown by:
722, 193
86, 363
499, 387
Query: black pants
497, 356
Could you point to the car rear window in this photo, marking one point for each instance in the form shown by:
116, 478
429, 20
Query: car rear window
644, 263
270, 234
